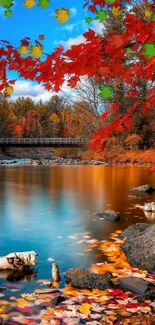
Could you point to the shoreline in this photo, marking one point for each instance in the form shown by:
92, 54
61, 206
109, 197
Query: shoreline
66, 162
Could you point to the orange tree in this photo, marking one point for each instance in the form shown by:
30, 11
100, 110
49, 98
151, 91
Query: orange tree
123, 56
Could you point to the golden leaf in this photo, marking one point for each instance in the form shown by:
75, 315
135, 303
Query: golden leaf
62, 15
23, 50
29, 3
8, 90
85, 308
117, 12
22, 302
31, 298
148, 13
36, 51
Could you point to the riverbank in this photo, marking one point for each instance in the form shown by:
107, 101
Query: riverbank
74, 306
65, 156
65, 162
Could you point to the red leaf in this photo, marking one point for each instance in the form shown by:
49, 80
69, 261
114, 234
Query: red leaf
41, 37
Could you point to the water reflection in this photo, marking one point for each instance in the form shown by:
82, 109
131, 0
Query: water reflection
150, 215
14, 276
40, 205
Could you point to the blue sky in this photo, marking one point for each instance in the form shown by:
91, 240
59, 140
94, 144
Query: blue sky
35, 21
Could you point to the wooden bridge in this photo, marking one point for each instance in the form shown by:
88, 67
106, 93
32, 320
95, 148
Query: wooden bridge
42, 142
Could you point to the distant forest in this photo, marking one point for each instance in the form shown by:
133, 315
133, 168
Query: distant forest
56, 118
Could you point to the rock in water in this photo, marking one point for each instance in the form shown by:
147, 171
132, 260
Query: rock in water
144, 188
139, 246
135, 284
149, 207
81, 278
55, 273
109, 215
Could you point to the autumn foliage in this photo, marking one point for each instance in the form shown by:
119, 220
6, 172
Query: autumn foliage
122, 57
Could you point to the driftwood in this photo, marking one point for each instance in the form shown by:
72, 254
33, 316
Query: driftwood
18, 261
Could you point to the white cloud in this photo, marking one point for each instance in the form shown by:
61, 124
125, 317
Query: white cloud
97, 26
71, 27
73, 11
28, 89
37, 92
71, 41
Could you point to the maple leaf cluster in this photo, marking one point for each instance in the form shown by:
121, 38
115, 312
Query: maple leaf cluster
101, 57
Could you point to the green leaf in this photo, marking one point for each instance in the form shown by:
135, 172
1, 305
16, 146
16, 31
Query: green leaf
6, 3
149, 50
44, 3
8, 13
110, 1
153, 17
128, 50
105, 91
101, 15
88, 20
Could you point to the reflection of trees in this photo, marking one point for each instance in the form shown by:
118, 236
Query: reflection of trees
87, 186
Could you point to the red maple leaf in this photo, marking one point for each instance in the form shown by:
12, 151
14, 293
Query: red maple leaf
41, 37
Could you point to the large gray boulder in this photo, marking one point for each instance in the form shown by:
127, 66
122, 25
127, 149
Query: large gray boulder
144, 188
81, 278
139, 246
135, 284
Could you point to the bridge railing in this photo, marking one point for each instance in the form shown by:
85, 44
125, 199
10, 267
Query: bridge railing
23, 141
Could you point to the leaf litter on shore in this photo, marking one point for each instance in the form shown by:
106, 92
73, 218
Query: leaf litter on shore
91, 307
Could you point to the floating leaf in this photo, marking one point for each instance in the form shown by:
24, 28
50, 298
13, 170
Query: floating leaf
149, 50
63, 15
8, 13
9, 90
41, 37
128, 50
101, 15
85, 308
116, 11
148, 13
88, 20
106, 91
110, 2
29, 3
6, 3
44, 4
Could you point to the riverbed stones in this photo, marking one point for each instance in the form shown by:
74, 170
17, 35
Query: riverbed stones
109, 215
135, 284
144, 188
139, 246
81, 278
149, 207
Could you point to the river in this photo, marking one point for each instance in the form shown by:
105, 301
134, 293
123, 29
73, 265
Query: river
51, 210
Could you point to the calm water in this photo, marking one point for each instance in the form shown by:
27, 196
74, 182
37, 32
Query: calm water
41, 206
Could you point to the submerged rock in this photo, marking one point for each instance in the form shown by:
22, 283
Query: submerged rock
135, 284
81, 278
149, 207
109, 215
144, 188
139, 246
